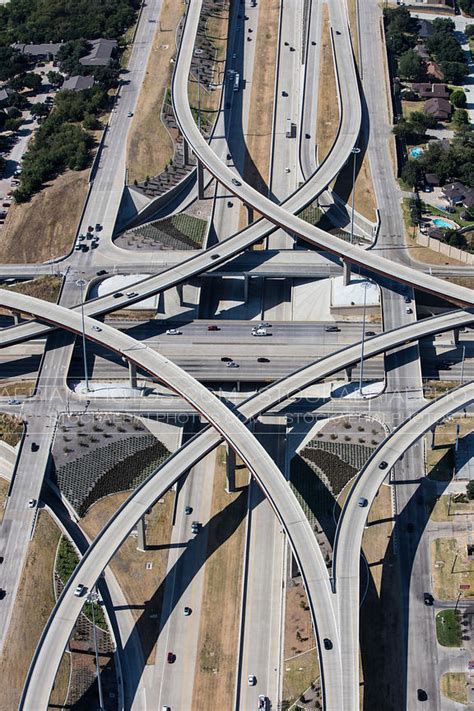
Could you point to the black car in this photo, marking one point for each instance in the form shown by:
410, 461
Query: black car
263, 360
383, 465
2, 593
226, 359
422, 695
102, 272
34, 447
428, 598
327, 643
118, 294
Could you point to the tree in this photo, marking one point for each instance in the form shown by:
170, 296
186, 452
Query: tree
12, 62
458, 98
39, 109
421, 121
454, 72
469, 31
90, 122
467, 6
55, 78
410, 65
443, 24
399, 42
460, 118
412, 173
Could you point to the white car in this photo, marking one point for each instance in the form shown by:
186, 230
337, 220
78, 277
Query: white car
80, 590
252, 679
96, 328
31, 503
232, 364
173, 332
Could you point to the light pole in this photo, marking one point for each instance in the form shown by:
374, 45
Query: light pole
462, 363
92, 598
361, 377
355, 151
81, 283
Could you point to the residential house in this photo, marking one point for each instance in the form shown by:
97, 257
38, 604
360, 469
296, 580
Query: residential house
100, 53
428, 91
434, 70
46, 51
78, 83
455, 193
5, 95
425, 29
439, 108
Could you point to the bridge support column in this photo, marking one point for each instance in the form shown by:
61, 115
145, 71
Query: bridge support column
132, 374
249, 214
455, 336
16, 318
349, 374
141, 534
230, 470
246, 288
200, 169
185, 151
433, 435
179, 289
346, 272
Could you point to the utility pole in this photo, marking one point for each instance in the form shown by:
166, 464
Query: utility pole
81, 283
355, 151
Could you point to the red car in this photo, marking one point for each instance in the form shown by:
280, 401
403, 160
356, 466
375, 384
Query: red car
171, 657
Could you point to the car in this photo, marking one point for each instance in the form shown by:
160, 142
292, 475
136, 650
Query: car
163, 708
188, 510
327, 643
131, 294
236, 182
264, 702
232, 364
292, 49
264, 324
252, 679
89, 235
2, 593
213, 327
226, 359
31, 503
80, 590
84, 247
370, 333
90, 228
287, 44
78, 248
249, 29
362, 502
12, 401
130, 114
229, 157
421, 695
287, 170
428, 189
34, 446
215, 256
171, 657
407, 300
313, 42
249, 39
409, 310
94, 245
118, 295
96, 328
383, 465
307, 135
337, 32
195, 527
101, 272
6, 204
1, 559
81, 238
263, 360
98, 227
332, 329
284, 93
187, 611
230, 203
428, 598
173, 332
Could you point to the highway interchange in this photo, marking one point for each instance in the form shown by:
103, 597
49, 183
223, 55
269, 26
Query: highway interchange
333, 602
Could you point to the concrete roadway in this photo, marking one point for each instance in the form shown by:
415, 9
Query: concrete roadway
295, 383
350, 527
53, 641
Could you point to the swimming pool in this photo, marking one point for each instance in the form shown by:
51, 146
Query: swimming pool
439, 222
416, 152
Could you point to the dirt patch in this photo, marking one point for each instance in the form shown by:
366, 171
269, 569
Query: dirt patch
219, 623
455, 685
451, 567
15, 388
328, 107
377, 536
45, 227
140, 574
450, 508
352, 8
150, 146
46, 288
34, 602
259, 129
440, 458
299, 673
11, 429
4, 485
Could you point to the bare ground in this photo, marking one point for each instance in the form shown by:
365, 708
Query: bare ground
328, 109
219, 624
45, 227
34, 602
150, 146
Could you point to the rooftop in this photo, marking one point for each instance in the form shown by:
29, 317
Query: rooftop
78, 83
100, 54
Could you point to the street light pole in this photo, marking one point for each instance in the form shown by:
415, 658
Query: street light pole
81, 283
361, 376
355, 151
93, 597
